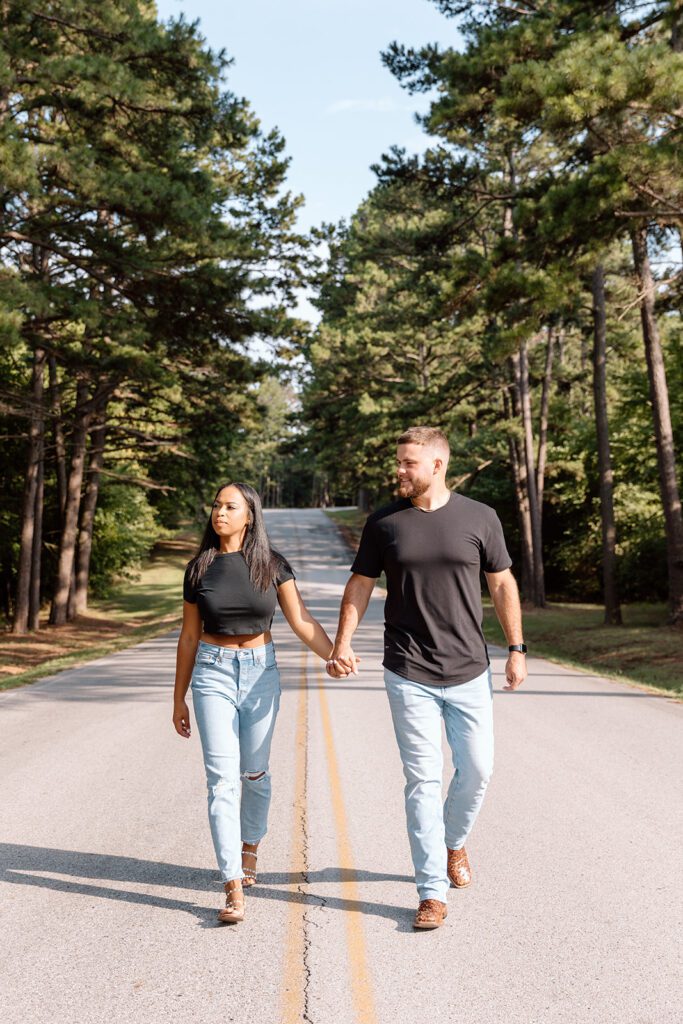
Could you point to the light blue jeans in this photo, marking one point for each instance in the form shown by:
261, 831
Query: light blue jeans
236, 697
417, 711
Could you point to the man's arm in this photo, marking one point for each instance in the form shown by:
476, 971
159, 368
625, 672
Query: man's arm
353, 606
505, 596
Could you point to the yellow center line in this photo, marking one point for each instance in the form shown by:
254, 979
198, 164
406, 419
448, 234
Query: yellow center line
293, 994
361, 983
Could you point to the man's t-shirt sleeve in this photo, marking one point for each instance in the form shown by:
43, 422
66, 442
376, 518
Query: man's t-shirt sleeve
368, 560
494, 555
189, 591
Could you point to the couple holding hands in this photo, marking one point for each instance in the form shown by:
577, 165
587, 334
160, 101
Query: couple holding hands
432, 544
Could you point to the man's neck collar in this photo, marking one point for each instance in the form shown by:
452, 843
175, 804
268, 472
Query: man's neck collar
431, 504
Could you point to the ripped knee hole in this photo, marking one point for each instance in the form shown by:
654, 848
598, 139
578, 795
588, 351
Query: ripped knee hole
253, 776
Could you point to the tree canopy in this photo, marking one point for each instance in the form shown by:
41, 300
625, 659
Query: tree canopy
522, 281
145, 240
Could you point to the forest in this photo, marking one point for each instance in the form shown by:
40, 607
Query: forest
519, 285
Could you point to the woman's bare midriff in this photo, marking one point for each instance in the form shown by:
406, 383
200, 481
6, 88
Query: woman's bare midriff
246, 640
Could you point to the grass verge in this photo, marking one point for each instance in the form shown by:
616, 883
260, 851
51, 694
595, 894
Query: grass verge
349, 522
137, 610
645, 650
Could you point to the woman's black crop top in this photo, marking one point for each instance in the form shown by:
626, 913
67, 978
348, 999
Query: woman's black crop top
228, 603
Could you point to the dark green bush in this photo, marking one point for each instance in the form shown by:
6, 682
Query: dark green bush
124, 534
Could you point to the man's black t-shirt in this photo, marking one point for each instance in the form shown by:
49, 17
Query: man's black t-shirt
432, 561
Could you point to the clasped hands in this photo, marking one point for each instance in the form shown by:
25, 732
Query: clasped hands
342, 663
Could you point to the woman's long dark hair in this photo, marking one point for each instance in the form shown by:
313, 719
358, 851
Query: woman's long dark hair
262, 561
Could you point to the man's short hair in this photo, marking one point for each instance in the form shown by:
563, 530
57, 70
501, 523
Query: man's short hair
430, 437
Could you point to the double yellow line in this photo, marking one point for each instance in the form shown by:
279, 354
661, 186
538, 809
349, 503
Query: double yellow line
294, 996
361, 984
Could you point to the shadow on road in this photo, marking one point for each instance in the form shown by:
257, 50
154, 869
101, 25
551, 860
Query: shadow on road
19, 864
403, 916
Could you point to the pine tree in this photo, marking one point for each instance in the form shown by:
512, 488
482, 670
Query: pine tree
142, 224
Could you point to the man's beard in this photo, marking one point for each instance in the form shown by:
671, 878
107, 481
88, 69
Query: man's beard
413, 488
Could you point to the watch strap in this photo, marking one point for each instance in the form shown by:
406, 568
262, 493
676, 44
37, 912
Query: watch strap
522, 648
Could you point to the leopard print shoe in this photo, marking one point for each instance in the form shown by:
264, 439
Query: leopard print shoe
430, 914
458, 867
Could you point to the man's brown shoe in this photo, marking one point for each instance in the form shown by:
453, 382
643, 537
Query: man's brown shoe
430, 914
459, 870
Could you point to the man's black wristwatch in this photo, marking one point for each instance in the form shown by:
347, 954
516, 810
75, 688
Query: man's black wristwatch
518, 647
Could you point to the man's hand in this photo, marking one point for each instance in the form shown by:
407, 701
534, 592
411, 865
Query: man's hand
354, 602
515, 670
345, 661
334, 669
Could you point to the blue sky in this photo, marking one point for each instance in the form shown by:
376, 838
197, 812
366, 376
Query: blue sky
312, 68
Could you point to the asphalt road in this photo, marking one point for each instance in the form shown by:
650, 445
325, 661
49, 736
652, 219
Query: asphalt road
108, 889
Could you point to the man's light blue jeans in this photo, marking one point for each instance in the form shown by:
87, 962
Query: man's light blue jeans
417, 711
236, 697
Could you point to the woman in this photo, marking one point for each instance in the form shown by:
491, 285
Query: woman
231, 587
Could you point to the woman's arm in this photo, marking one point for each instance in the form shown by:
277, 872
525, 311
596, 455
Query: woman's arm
302, 622
187, 649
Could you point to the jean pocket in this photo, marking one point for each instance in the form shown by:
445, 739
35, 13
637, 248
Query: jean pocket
206, 658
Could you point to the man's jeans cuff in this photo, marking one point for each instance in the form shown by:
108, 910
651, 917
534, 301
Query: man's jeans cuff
430, 893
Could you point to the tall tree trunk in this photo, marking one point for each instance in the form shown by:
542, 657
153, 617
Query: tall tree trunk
677, 32
518, 466
97, 439
58, 435
522, 370
609, 530
71, 600
37, 546
543, 421
523, 456
67, 542
31, 486
659, 396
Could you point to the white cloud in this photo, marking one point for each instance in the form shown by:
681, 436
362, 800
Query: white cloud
382, 106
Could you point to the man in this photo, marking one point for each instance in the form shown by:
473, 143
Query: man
432, 545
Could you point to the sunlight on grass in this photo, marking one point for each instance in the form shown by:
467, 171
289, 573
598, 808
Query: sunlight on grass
137, 610
644, 650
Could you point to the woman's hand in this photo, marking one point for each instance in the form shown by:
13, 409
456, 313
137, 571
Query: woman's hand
341, 667
344, 658
181, 719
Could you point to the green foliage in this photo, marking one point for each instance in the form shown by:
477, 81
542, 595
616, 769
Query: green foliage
642, 548
125, 530
145, 239
555, 128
